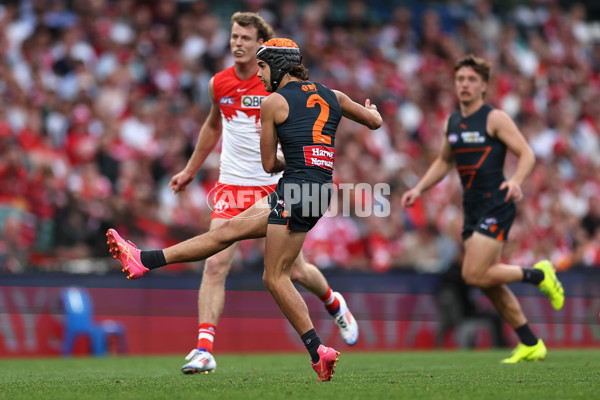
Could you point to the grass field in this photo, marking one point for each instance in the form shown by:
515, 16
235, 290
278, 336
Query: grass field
572, 374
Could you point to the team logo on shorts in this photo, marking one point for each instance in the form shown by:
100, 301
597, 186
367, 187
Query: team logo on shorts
220, 206
489, 224
279, 208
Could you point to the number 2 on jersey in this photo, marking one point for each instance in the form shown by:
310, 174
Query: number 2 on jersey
318, 136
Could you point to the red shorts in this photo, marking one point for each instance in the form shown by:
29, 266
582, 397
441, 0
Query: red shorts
230, 200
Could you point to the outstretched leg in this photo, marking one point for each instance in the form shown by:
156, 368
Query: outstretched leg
250, 224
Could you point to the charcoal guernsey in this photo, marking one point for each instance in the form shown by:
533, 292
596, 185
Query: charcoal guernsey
479, 157
307, 136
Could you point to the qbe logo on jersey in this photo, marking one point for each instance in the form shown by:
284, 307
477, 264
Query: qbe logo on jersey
252, 101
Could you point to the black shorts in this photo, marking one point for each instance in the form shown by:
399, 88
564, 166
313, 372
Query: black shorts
490, 216
299, 203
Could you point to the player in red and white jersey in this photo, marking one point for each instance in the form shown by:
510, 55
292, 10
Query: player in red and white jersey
236, 94
239, 102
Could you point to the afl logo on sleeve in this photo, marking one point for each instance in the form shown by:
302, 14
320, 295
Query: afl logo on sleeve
226, 101
252, 101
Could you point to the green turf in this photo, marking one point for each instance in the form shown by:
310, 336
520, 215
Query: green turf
573, 374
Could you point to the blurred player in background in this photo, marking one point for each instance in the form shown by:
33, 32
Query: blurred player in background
303, 116
236, 94
476, 139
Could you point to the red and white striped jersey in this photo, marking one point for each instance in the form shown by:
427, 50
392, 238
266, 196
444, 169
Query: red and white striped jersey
239, 101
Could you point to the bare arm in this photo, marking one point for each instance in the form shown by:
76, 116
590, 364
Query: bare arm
503, 127
366, 115
209, 136
273, 110
440, 167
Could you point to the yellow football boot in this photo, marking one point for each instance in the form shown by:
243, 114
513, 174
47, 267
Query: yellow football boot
522, 353
551, 286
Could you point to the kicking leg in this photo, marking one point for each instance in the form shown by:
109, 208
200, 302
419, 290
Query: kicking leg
252, 223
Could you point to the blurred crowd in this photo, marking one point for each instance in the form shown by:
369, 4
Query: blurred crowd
101, 103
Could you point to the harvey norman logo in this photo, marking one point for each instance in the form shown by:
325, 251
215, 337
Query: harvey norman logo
472, 137
319, 156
